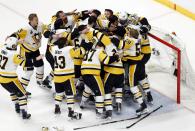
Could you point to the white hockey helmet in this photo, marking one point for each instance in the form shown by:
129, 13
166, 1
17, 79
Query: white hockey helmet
123, 17
11, 43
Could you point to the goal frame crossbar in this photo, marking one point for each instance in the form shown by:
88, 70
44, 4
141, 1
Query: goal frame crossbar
178, 99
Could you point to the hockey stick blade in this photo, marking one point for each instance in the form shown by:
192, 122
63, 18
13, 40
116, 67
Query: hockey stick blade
105, 123
144, 116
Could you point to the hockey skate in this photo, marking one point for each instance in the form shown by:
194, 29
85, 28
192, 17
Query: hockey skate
83, 104
57, 109
40, 83
149, 97
17, 108
25, 115
99, 115
28, 94
118, 107
46, 83
73, 115
142, 110
108, 115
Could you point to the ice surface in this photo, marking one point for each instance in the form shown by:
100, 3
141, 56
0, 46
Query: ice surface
41, 105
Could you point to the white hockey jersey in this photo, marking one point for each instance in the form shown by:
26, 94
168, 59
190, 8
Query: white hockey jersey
64, 62
131, 48
9, 60
92, 61
32, 37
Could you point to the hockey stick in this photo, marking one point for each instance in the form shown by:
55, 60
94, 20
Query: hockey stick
144, 116
105, 123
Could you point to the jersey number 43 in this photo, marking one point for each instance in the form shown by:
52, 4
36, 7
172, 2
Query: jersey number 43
60, 62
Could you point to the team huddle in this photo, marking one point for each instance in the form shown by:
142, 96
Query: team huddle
92, 54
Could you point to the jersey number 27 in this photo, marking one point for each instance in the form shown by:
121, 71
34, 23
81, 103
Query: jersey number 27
3, 61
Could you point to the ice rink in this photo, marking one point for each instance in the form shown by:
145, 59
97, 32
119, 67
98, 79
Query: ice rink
172, 117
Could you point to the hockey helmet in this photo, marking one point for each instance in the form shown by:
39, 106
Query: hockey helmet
11, 43
123, 16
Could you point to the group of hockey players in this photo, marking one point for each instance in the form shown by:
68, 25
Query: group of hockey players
91, 53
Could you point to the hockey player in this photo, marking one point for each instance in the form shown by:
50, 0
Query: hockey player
48, 34
114, 27
91, 36
102, 24
69, 19
9, 60
64, 21
132, 55
91, 22
52, 35
29, 49
114, 77
142, 22
63, 76
107, 14
90, 70
144, 82
144, 27
103, 19
123, 18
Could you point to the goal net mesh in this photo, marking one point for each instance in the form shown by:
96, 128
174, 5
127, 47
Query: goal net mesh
169, 56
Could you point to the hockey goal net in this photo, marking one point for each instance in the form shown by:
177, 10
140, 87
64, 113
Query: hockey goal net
169, 56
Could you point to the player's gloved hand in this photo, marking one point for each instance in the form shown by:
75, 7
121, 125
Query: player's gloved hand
48, 34
115, 41
144, 29
75, 33
114, 58
86, 46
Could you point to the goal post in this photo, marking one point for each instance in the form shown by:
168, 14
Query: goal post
178, 99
